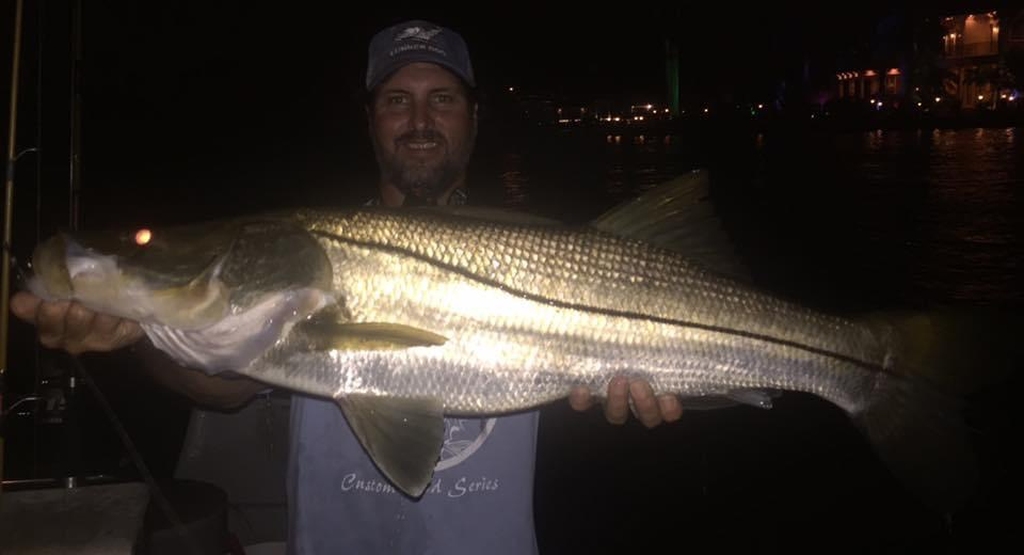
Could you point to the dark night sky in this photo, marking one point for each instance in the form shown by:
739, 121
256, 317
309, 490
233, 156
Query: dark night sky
231, 90
231, 56
144, 56
144, 59
239, 45
234, 64
579, 47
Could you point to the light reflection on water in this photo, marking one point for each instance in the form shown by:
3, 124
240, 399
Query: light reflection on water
970, 223
959, 210
512, 179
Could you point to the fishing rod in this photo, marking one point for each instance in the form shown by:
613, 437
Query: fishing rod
77, 372
5, 273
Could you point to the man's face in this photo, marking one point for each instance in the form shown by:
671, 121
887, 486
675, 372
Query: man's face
423, 128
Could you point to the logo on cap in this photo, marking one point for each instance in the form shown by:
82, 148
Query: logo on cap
417, 33
417, 38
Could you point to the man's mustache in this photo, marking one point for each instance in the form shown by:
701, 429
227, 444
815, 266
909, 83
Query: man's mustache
424, 135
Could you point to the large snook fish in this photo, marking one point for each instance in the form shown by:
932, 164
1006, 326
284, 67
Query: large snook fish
404, 316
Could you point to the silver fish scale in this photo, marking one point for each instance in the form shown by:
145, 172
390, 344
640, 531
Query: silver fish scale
597, 271
530, 312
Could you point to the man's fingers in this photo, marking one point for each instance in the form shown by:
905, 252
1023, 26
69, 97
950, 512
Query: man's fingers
79, 331
51, 322
79, 322
580, 398
72, 327
128, 332
104, 325
25, 306
671, 408
616, 410
645, 404
110, 332
636, 396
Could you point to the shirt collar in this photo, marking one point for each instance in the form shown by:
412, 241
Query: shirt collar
457, 198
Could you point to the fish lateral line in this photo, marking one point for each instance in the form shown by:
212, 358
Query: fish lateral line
628, 315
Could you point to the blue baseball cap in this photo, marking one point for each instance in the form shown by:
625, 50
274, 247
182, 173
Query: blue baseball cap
417, 41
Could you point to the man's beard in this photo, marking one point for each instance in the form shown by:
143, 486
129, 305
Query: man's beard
424, 181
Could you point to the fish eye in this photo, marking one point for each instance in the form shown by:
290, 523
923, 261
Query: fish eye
143, 237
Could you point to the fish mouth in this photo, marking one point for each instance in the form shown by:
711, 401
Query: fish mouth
51, 278
83, 265
62, 267
65, 269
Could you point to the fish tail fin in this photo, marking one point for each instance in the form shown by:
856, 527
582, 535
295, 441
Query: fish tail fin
918, 433
914, 413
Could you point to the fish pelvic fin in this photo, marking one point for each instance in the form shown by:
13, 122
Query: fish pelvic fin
757, 398
402, 436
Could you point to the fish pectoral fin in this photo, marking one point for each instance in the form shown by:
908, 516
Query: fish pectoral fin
326, 332
758, 398
402, 436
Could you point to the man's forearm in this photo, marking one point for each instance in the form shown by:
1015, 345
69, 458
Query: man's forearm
215, 392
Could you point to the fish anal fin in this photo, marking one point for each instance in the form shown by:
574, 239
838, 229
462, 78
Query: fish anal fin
403, 436
758, 398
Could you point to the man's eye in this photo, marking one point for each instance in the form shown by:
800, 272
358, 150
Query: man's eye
443, 98
396, 100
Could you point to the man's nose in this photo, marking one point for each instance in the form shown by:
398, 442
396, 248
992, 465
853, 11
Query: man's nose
422, 116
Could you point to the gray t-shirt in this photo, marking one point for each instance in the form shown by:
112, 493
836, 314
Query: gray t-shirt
481, 499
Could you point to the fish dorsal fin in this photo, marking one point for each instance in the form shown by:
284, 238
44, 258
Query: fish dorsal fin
402, 436
677, 215
329, 329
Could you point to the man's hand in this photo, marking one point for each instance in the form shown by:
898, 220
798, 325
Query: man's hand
70, 326
650, 410
76, 329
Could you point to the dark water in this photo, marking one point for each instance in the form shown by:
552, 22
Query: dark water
910, 215
847, 222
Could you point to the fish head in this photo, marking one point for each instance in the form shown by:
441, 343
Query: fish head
184, 277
